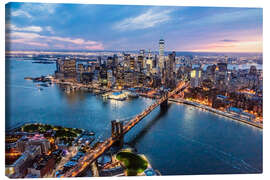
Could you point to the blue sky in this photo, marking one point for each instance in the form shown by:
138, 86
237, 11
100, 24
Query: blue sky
41, 26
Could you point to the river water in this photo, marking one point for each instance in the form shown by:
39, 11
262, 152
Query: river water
181, 140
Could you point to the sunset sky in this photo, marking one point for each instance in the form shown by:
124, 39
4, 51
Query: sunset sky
36, 26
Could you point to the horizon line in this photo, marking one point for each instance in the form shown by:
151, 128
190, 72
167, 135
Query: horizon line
191, 51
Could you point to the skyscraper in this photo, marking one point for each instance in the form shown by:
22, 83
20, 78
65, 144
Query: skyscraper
140, 62
161, 47
195, 75
221, 75
115, 60
161, 54
142, 52
132, 63
170, 70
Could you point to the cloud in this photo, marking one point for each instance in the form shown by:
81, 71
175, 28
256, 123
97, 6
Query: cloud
146, 20
24, 35
78, 41
31, 43
95, 47
228, 40
13, 27
32, 10
20, 13
35, 39
233, 46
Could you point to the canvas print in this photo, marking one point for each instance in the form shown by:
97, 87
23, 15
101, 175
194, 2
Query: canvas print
132, 90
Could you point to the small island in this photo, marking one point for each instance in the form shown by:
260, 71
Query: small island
135, 164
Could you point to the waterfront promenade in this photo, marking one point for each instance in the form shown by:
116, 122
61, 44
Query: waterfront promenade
226, 114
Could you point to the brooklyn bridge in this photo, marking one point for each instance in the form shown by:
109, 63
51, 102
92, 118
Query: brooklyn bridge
119, 129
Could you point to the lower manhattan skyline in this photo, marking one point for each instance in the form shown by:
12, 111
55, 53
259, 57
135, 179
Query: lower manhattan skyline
36, 26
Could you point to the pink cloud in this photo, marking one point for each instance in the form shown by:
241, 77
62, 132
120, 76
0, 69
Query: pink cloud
242, 41
95, 47
74, 41
37, 44
27, 42
35, 39
238, 46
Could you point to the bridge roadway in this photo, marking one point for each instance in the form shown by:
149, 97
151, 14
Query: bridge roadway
91, 156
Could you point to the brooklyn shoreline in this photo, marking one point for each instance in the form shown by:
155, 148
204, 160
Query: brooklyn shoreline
225, 114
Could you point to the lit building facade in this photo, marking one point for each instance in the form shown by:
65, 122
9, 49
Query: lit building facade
195, 77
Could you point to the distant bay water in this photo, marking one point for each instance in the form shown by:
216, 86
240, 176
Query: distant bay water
182, 140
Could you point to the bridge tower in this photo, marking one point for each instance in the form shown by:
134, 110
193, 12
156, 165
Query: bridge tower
164, 104
117, 132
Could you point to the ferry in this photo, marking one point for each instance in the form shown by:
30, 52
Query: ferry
96, 91
106, 95
133, 95
117, 96
28, 78
130, 94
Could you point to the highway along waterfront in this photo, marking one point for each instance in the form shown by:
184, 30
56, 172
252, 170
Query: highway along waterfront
180, 140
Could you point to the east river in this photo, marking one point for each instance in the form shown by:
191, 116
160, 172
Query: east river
182, 140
